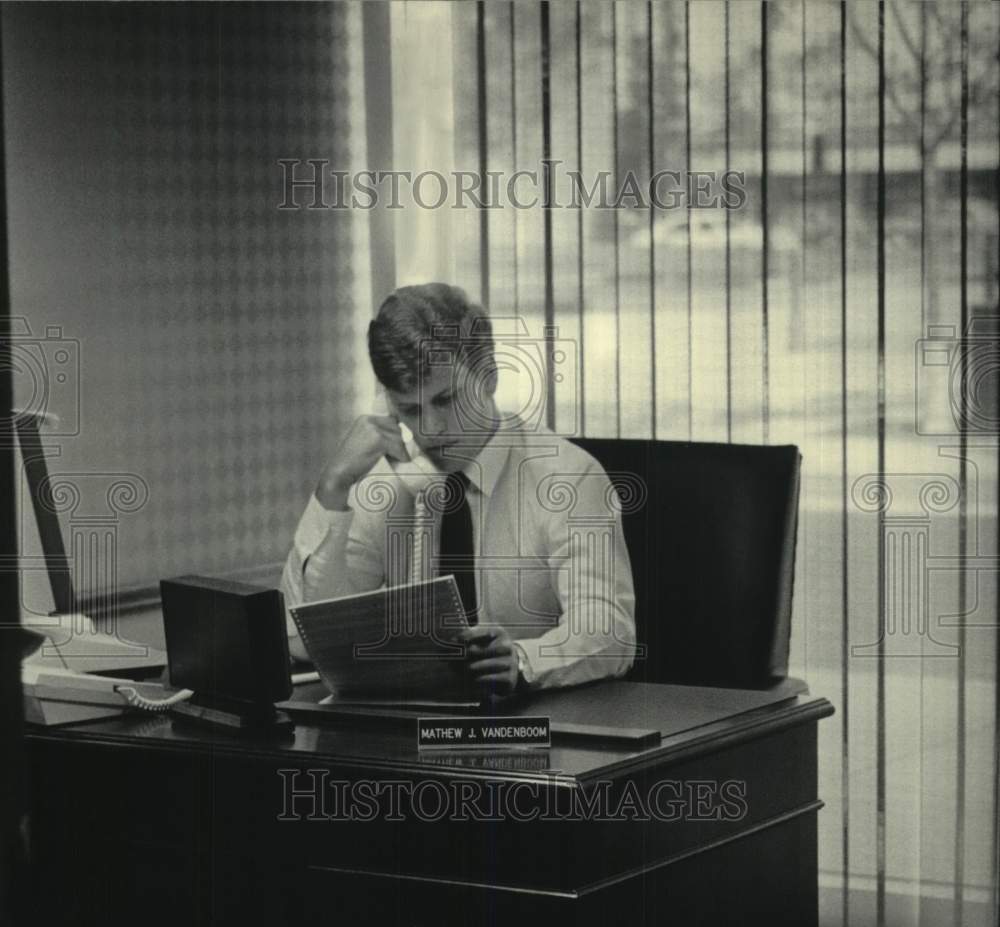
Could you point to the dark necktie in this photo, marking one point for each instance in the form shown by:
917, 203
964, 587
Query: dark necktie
457, 554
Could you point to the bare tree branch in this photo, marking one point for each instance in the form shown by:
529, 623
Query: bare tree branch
904, 32
936, 13
908, 116
939, 70
977, 90
945, 131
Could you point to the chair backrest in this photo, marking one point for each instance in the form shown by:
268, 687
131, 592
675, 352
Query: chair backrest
713, 557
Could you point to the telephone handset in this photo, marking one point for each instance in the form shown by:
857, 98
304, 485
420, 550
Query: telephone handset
416, 475
417, 472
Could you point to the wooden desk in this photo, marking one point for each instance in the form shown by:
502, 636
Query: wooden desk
144, 819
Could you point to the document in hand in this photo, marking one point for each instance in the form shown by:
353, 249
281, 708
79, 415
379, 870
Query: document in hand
395, 643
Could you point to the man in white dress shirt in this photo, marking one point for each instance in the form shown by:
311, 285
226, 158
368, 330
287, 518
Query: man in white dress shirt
532, 531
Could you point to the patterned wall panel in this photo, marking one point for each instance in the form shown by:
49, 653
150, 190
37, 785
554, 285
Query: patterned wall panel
214, 331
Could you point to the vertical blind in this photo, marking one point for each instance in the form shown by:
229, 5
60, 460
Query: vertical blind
848, 305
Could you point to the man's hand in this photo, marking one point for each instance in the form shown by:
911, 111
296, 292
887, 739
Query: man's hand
370, 437
492, 660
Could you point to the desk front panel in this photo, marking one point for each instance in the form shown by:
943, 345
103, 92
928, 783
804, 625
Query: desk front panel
444, 816
261, 825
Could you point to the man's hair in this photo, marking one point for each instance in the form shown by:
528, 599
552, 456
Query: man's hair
418, 327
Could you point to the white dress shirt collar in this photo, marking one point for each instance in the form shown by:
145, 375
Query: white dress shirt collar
484, 470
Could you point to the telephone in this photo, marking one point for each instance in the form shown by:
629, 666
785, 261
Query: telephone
44, 680
67, 686
58, 685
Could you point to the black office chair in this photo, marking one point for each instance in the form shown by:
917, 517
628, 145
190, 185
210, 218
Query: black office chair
713, 557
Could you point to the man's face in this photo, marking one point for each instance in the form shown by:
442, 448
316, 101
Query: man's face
452, 408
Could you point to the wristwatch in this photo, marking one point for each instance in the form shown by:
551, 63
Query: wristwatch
524, 671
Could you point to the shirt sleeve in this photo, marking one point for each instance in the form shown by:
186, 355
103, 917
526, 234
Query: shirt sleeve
595, 636
332, 554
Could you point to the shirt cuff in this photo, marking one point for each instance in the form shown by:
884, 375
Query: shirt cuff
524, 667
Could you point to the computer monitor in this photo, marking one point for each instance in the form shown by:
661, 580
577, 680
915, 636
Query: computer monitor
87, 638
57, 564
